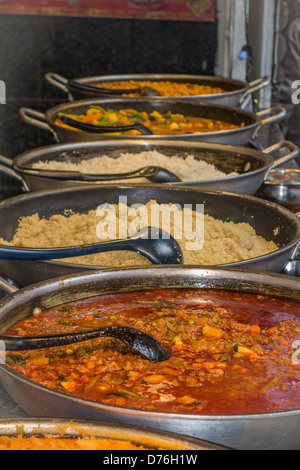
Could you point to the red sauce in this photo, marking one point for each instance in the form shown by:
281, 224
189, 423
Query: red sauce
231, 352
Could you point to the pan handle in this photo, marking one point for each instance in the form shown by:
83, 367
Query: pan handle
7, 286
6, 168
294, 152
256, 85
59, 82
37, 119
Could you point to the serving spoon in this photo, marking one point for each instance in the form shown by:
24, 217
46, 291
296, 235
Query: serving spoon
83, 126
155, 174
154, 244
137, 340
144, 91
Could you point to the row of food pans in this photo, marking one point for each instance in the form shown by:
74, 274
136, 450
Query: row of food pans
47, 283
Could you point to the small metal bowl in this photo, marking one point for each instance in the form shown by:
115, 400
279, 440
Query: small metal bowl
283, 187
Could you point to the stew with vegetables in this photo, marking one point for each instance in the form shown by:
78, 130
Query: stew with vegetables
159, 124
232, 352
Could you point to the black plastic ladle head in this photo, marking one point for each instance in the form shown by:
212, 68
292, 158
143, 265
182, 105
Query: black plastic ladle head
91, 128
143, 91
140, 342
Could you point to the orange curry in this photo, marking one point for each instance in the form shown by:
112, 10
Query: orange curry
232, 353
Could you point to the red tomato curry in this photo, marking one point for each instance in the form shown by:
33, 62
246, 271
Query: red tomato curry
232, 353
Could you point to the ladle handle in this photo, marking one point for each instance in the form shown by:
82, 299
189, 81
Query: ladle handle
139, 243
137, 340
34, 254
25, 343
149, 172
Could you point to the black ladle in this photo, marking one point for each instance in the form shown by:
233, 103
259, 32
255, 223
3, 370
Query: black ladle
154, 244
144, 91
155, 174
137, 340
83, 126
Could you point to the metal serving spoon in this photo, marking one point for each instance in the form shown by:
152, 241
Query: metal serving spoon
83, 126
155, 174
154, 244
144, 91
137, 340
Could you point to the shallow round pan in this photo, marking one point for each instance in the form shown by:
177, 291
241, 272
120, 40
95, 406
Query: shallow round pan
266, 431
249, 123
252, 165
272, 222
235, 91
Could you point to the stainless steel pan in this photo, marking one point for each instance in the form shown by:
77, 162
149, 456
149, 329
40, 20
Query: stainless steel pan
249, 123
72, 429
283, 187
235, 91
253, 166
269, 220
269, 431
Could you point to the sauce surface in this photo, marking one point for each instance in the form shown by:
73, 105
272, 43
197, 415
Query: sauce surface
232, 353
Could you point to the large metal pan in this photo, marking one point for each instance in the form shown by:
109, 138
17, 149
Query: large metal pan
235, 91
269, 221
253, 166
269, 431
249, 123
